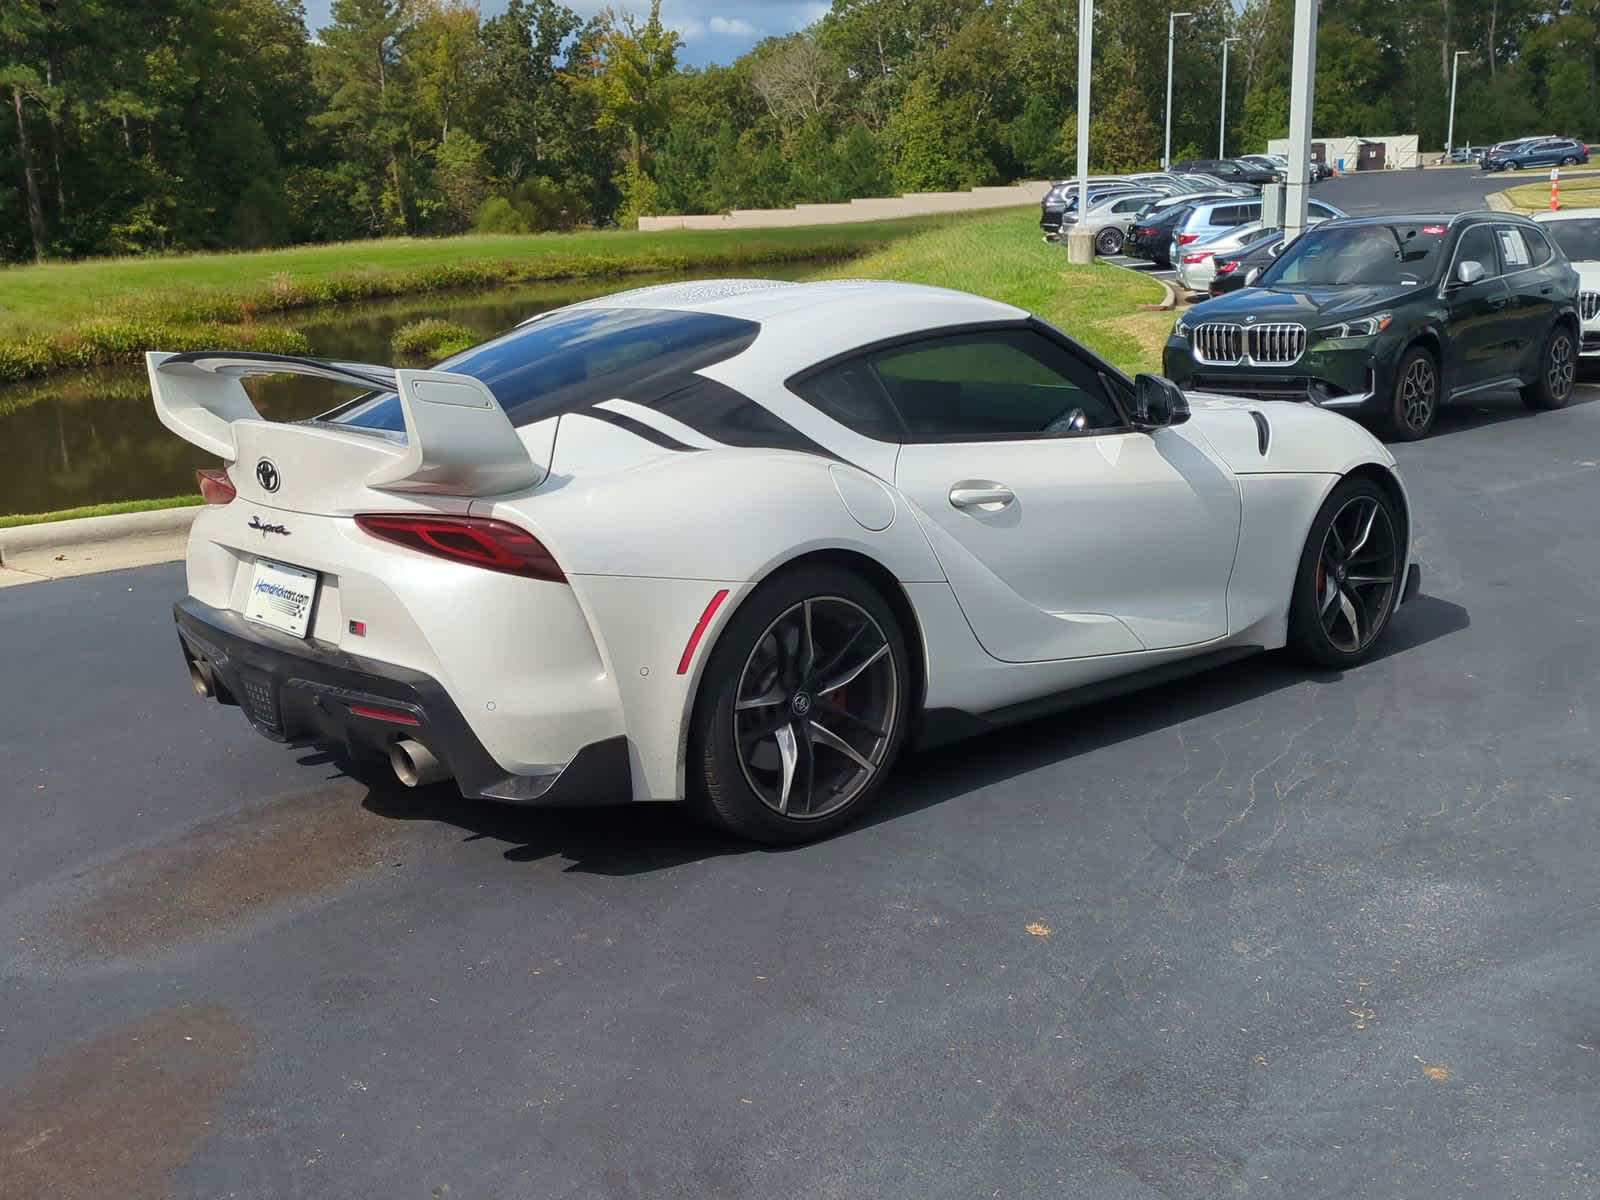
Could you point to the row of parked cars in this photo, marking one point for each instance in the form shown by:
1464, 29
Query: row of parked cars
1547, 150
1388, 318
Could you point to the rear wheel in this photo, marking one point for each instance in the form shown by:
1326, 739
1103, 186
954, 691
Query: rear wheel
1569, 162
1416, 396
1557, 366
802, 709
1349, 577
1109, 240
1514, 165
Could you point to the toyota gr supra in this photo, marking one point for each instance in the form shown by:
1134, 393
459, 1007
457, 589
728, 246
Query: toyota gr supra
740, 543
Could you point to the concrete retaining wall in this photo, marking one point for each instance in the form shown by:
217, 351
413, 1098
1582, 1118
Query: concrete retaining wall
877, 208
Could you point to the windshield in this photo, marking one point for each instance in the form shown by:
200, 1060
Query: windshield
1401, 254
1579, 239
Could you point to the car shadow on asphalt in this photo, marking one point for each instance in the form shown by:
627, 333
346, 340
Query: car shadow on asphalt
634, 839
1494, 408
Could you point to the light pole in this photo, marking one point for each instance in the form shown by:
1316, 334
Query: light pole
1080, 242
1222, 131
1450, 138
1302, 93
1172, 22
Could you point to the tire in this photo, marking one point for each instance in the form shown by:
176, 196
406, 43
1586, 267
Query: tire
1514, 165
1558, 363
1417, 391
1109, 240
770, 737
1569, 161
1349, 578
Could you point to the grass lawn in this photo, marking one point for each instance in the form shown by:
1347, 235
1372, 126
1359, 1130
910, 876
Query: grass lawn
97, 510
1582, 191
47, 297
1000, 255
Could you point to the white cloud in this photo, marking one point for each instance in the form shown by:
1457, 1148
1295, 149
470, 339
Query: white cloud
688, 28
736, 26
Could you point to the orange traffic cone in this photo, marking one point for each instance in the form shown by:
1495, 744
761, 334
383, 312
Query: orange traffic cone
1555, 188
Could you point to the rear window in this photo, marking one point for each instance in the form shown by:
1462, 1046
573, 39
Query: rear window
578, 357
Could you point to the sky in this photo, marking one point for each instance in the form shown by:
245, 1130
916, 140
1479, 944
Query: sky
713, 31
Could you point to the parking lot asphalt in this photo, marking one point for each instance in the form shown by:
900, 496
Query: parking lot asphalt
1258, 934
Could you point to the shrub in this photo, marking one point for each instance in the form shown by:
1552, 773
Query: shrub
431, 337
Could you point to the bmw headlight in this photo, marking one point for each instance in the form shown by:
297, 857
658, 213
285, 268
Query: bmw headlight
1361, 328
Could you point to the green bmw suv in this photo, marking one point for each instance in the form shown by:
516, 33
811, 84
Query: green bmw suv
1387, 318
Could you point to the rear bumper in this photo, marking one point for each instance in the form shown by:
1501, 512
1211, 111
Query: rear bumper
303, 690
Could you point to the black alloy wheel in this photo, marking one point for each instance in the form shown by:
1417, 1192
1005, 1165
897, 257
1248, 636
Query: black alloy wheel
1349, 580
1416, 396
803, 707
1558, 367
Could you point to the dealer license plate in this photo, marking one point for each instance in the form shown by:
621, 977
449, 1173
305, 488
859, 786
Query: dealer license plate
281, 596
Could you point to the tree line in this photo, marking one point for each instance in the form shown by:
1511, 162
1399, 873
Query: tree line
168, 124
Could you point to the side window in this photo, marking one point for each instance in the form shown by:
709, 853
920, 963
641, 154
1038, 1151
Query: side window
1537, 247
849, 392
994, 384
1321, 209
1128, 206
1513, 250
1477, 245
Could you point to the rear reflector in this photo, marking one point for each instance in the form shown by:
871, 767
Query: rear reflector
393, 716
476, 541
215, 486
699, 630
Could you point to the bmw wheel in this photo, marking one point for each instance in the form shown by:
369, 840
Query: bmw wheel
1557, 367
802, 709
1109, 240
1416, 396
1349, 577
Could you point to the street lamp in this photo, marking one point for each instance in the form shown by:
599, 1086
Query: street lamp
1172, 21
1222, 131
1450, 137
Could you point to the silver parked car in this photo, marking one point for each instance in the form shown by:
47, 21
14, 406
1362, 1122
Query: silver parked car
1217, 217
1196, 264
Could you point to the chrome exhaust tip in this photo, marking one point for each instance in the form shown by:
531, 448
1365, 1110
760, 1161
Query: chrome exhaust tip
414, 764
200, 678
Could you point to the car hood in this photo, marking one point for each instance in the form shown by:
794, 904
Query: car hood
1301, 304
1588, 275
1296, 438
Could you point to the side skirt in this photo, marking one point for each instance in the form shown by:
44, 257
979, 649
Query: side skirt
942, 725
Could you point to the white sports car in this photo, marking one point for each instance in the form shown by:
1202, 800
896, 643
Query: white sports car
740, 542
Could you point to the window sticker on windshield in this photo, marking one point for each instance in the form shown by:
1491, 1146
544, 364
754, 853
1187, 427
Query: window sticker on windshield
1514, 248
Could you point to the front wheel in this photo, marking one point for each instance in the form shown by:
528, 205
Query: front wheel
1557, 367
1416, 396
802, 709
1348, 581
1109, 240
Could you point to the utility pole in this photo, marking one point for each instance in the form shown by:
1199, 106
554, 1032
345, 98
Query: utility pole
1222, 131
1303, 83
1450, 138
1080, 242
1172, 22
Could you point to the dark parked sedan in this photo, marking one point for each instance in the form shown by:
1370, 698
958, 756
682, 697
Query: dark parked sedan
1230, 170
1389, 317
1151, 237
1233, 271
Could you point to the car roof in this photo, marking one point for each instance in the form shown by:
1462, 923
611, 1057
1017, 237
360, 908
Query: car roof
1568, 214
777, 303
1434, 218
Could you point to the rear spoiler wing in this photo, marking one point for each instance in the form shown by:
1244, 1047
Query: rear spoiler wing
458, 439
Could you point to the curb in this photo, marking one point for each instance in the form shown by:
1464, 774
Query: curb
1166, 305
56, 535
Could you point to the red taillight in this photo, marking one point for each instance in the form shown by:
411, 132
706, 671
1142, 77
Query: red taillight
1145, 230
700, 629
477, 541
1185, 238
1197, 258
1228, 267
215, 486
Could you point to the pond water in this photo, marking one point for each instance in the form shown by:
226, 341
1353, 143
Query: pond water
91, 437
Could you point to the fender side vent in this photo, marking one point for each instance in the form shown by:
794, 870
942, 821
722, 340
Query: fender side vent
1263, 431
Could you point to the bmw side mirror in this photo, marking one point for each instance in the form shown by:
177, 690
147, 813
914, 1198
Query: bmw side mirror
1158, 402
1468, 273
1251, 276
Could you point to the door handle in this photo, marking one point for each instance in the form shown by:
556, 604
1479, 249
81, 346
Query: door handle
976, 494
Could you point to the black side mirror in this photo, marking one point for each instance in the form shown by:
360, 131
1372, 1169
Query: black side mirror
1158, 402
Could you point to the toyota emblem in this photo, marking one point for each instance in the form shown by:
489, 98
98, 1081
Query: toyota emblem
267, 475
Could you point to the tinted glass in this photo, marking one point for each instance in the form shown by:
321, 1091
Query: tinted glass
849, 392
579, 357
1002, 383
1321, 209
1477, 245
1403, 254
1537, 246
1579, 239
